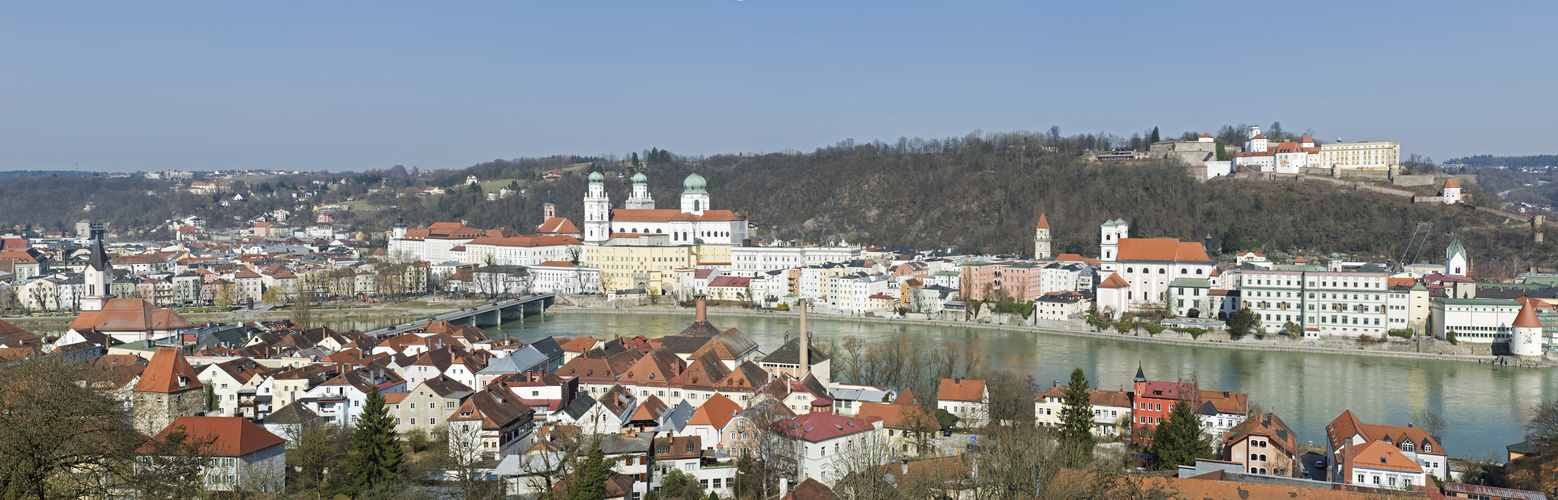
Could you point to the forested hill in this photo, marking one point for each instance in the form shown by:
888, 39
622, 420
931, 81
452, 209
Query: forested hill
984, 196
981, 198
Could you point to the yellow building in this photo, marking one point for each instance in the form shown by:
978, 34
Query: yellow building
648, 261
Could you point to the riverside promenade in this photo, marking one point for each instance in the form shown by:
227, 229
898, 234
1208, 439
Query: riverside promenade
1270, 343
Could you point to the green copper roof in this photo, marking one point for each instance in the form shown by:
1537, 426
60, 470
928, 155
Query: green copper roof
640, 178
1454, 248
596, 177
694, 184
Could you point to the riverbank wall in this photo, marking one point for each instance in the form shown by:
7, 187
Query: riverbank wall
1432, 349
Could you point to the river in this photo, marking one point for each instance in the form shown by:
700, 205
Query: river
1486, 406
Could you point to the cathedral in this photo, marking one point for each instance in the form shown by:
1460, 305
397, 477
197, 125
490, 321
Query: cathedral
694, 223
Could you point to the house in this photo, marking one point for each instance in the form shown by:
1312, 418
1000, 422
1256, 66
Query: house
685, 453
1153, 400
1378, 464
710, 418
1350, 442
341, 398
1220, 411
811, 489
1111, 409
168, 389
630, 455
494, 422
823, 440
229, 378
966, 398
907, 426
243, 455
427, 404
1263, 444
289, 421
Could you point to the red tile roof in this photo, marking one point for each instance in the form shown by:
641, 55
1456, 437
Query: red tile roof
558, 225
716, 411
1161, 250
1043, 222
168, 372
525, 241
730, 281
953, 389
1527, 316
223, 436
556, 263
667, 215
129, 315
1452, 184
820, 426
1114, 281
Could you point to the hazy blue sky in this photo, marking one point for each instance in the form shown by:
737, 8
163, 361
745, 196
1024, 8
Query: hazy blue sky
356, 85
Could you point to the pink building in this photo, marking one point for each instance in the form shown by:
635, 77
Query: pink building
1019, 279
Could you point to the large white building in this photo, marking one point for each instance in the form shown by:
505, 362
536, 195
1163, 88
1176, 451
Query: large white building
694, 223
519, 250
751, 260
1378, 156
1347, 304
436, 242
1138, 270
1260, 155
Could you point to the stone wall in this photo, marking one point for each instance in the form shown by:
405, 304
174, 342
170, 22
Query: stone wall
155, 410
1415, 180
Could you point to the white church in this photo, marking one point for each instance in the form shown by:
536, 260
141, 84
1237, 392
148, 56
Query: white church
694, 223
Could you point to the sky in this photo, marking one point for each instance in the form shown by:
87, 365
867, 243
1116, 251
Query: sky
345, 85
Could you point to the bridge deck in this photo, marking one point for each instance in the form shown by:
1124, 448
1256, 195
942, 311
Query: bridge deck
472, 315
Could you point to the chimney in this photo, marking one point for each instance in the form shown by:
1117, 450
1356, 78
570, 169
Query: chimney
903, 466
701, 304
805, 344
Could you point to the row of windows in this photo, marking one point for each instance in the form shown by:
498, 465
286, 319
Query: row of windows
1163, 270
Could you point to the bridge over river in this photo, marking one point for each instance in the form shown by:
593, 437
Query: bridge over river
491, 314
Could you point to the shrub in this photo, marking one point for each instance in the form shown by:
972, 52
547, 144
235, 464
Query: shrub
783, 307
1153, 329
1195, 333
1405, 333
1449, 335
1124, 326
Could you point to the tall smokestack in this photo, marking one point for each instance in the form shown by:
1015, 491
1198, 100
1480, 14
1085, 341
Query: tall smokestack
805, 342
702, 306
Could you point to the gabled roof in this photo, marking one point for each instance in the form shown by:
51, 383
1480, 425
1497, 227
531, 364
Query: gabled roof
1043, 222
657, 367
715, 411
222, 436
1265, 425
495, 410
811, 489
705, 371
1452, 184
790, 353
168, 372
650, 410
1378, 455
1161, 250
820, 426
558, 225
129, 315
961, 389
1114, 281
897, 416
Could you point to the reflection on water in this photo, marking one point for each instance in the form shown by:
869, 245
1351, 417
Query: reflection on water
1486, 406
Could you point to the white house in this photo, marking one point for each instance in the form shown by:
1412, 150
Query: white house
966, 398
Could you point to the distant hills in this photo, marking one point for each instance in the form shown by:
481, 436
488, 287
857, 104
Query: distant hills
1480, 161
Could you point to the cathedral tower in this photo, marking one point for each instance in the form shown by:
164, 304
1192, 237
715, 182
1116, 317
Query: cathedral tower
597, 211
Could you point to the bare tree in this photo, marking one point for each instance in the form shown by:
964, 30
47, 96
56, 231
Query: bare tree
1431, 423
61, 435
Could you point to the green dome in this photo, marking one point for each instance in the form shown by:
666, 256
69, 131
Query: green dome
640, 178
596, 177
694, 184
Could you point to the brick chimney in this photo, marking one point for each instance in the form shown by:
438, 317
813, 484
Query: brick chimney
701, 304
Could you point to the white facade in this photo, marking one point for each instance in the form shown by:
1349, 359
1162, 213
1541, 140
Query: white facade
1347, 304
566, 279
521, 250
1478, 321
749, 261
1361, 155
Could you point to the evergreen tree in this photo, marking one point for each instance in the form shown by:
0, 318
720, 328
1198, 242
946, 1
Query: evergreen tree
589, 482
1154, 134
1178, 440
375, 454
635, 159
1076, 417
1222, 154
1243, 321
